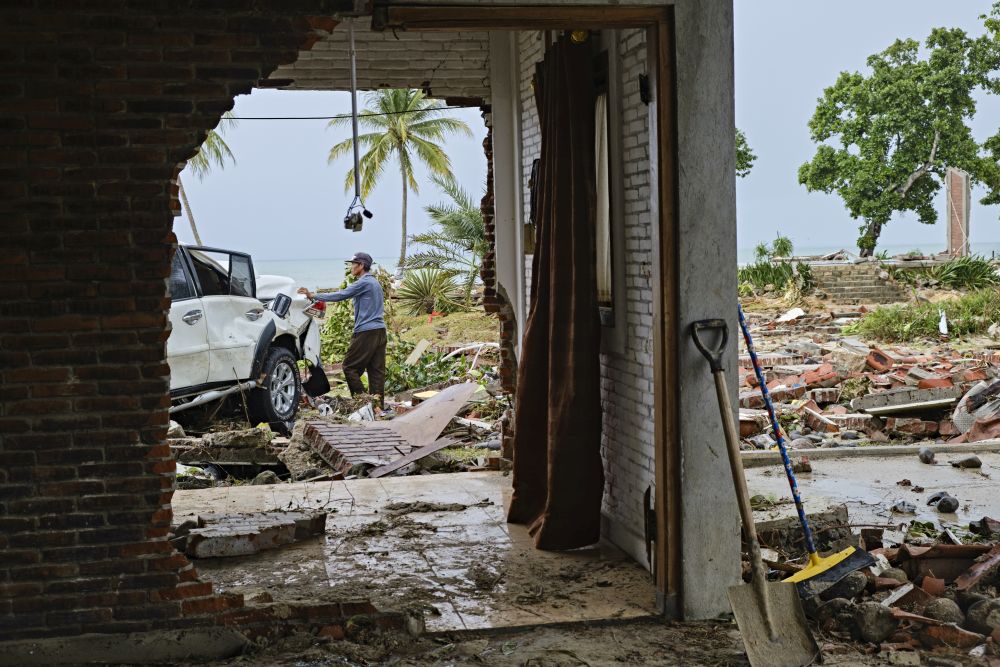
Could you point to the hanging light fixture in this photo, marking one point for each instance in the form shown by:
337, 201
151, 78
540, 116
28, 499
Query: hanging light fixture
356, 212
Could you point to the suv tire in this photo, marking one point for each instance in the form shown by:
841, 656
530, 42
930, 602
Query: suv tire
276, 402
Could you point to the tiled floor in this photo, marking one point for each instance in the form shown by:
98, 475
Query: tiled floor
464, 568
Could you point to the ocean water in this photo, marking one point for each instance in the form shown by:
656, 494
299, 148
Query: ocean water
314, 273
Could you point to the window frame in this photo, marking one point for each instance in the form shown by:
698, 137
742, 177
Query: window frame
229, 269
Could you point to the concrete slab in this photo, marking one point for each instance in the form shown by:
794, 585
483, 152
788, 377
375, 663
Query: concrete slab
463, 565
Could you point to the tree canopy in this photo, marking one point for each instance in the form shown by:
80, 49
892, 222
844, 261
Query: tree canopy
745, 157
887, 137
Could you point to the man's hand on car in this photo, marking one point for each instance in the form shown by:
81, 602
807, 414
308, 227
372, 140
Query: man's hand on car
305, 290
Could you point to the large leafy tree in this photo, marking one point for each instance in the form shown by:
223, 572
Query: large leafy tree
402, 125
887, 137
213, 152
745, 157
456, 241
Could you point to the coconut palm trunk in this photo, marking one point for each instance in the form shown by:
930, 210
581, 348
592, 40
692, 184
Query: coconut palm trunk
402, 224
187, 209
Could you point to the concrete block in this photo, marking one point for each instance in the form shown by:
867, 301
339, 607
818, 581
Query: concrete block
906, 400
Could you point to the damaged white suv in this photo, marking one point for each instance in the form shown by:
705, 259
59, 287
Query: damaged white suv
229, 334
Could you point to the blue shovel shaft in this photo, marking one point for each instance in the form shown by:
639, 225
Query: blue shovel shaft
777, 433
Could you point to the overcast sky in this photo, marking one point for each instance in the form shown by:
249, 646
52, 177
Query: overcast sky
282, 201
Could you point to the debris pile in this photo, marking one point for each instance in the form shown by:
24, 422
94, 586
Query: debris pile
221, 535
930, 589
832, 390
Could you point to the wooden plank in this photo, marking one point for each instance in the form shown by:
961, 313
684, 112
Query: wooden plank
424, 424
520, 18
415, 455
418, 350
665, 321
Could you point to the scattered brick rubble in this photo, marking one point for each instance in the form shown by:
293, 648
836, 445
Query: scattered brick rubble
832, 390
931, 590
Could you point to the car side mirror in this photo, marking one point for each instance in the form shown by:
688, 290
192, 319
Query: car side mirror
280, 305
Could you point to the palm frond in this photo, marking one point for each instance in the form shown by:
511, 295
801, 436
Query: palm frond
214, 151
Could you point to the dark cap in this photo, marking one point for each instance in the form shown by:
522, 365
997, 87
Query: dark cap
362, 258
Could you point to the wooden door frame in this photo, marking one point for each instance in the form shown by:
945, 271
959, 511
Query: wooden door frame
658, 21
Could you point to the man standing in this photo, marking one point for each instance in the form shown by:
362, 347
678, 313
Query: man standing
367, 349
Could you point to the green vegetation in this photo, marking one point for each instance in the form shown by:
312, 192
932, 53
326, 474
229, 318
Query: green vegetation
473, 326
963, 273
761, 277
426, 291
745, 157
456, 242
404, 124
766, 276
895, 130
967, 315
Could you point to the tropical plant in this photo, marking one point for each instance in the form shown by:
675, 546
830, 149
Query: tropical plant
963, 273
745, 157
782, 247
766, 276
903, 124
456, 242
403, 125
214, 151
761, 252
425, 291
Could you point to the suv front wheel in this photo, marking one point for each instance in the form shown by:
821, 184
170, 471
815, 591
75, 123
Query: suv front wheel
277, 400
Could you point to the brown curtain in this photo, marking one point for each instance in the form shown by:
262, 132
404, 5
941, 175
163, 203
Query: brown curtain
558, 474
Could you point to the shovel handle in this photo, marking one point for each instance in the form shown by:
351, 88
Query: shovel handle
713, 354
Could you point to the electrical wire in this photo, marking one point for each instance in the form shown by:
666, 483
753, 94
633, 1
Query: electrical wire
347, 115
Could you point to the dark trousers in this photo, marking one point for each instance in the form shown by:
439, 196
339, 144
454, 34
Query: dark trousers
366, 353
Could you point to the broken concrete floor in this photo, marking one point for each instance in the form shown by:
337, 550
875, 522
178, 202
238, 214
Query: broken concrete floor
434, 543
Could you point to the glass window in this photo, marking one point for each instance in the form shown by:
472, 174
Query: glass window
241, 281
213, 274
180, 286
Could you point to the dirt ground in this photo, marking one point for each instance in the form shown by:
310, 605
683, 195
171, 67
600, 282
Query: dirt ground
634, 642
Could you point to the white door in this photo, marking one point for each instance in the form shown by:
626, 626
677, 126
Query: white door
187, 346
236, 318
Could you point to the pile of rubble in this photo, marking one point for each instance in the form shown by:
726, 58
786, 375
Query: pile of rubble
929, 589
446, 428
832, 390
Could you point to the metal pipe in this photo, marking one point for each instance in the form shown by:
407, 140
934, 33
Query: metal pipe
354, 110
210, 396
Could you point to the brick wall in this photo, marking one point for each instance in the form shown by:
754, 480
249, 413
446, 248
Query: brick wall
626, 374
449, 64
98, 111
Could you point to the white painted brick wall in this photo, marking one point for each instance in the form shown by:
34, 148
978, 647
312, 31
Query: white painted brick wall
626, 378
455, 64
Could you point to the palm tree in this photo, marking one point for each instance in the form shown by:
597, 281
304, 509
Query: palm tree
213, 151
457, 240
405, 124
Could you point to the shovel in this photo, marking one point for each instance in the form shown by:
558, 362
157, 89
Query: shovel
769, 615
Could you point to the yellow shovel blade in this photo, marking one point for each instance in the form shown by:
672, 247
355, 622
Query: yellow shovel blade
817, 565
